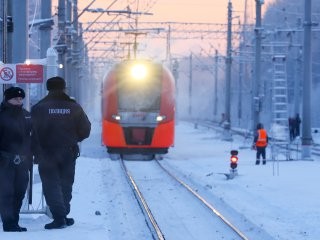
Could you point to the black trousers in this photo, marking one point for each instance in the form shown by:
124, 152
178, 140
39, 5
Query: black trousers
57, 170
13, 185
261, 151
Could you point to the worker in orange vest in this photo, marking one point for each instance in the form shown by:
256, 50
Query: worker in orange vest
260, 142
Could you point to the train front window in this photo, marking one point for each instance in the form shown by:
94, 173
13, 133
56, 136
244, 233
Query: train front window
138, 93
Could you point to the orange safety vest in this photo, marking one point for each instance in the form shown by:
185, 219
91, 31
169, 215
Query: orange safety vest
262, 138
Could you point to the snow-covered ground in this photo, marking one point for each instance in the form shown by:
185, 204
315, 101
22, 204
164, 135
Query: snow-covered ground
282, 198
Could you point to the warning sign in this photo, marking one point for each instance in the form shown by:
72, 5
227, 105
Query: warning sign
8, 74
21, 73
29, 73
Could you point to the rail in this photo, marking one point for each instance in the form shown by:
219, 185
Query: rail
151, 222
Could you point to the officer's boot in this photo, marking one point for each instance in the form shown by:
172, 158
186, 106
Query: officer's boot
56, 224
11, 227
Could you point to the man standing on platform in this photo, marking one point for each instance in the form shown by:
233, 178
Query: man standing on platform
59, 123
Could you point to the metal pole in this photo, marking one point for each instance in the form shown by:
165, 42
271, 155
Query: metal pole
298, 78
45, 28
45, 35
242, 63
175, 72
306, 98
75, 50
240, 85
228, 67
227, 124
9, 30
20, 38
190, 85
21, 29
4, 30
256, 81
168, 53
68, 58
4, 36
61, 42
215, 105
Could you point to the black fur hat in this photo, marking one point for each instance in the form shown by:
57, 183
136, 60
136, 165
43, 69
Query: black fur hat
13, 92
56, 83
259, 126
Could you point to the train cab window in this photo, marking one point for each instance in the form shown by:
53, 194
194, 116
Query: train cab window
139, 94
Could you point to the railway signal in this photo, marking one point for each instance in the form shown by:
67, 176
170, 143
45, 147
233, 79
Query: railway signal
233, 164
234, 159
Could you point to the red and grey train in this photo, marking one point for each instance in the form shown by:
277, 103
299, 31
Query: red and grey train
138, 109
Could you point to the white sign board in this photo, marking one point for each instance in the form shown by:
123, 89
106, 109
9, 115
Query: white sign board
7, 74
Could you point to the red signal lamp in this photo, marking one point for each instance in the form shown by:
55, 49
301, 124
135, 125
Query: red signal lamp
234, 159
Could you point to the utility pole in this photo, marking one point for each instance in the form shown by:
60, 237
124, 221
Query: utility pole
227, 125
168, 52
20, 38
20, 48
4, 33
256, 101
9, 30
241, 67
175, 72
242, 63
297, 80
61, 44
306, 99
45, 28
215, 105
75, 49
68, 34
190, 85
45, 34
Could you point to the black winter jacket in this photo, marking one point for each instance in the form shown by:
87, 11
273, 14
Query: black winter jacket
58, 121
15, 129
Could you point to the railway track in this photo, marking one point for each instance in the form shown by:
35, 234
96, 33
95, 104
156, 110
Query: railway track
150, 220
167, 202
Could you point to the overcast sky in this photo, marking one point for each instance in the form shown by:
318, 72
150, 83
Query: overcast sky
187, 11
214, 11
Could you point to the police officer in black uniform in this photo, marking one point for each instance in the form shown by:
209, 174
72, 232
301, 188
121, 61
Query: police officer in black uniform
59, 123
15, 157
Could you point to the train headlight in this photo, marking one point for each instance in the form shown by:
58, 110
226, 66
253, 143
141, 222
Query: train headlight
160, 118
138, 71
116, 117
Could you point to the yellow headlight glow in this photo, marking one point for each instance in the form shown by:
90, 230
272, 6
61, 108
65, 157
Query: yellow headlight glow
139, 71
